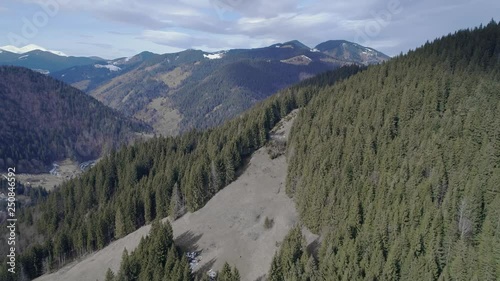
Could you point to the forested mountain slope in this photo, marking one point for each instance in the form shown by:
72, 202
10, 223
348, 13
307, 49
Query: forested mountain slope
178, 92
396, 167
43, 120
193, 89
399, 168
137, 184
346, 50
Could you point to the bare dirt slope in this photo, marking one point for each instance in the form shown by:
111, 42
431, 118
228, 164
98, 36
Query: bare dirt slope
229, 228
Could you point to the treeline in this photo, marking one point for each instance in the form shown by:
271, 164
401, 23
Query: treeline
399, 167
26, 195
158, 259
43, 120
293, 262
138, 184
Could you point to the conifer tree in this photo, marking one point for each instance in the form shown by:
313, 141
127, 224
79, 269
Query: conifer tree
120, 230
110, 276
275, 272
176, 203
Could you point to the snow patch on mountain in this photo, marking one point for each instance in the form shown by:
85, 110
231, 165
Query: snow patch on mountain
213, 56
42, 71
110, 67
298, 60
370, 51
29, 48
306, 57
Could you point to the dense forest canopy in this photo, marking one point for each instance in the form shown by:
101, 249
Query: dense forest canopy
399, 166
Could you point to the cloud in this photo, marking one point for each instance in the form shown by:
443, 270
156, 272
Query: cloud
204, 41
255, 8
121, 33
132, 18
168, 38
99, 45
284, 23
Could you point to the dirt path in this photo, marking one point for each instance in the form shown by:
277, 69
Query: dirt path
229, 228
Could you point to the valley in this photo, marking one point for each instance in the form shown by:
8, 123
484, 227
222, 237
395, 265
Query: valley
67, 169
62, 171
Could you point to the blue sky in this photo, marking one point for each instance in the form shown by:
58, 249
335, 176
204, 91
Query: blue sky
119, 28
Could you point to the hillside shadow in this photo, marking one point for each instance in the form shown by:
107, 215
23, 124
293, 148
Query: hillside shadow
261, 278
246, 162
188, 240
202, 271
313, 248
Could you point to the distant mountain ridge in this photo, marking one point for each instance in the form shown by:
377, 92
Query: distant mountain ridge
191, 89
29, 48
196, 89
351, 51
43, 61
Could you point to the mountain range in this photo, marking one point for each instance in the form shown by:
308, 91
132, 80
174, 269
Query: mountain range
170, 93
196, 90
29, 48
41, 59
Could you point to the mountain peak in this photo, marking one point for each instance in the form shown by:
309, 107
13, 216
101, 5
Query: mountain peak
351, 51
331, 44
30, 48
294, 44
297, 44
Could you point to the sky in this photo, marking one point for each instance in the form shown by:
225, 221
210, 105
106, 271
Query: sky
123, 28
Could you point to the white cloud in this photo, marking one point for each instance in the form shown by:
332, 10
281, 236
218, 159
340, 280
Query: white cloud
204, 41
312, 19
168, 38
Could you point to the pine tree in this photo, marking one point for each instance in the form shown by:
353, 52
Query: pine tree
236, 274
176, 204
225, 274
120, 230
110, 276
125, 268
275, 273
